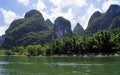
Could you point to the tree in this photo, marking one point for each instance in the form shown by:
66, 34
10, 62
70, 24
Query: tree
56, 47
30, 50
116, 39
103, 41
19, 50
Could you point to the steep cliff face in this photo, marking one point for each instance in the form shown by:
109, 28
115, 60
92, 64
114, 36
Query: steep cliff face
103, 21
62, 27
32, 29
78, 29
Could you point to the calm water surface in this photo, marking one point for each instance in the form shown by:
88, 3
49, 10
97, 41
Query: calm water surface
20, 65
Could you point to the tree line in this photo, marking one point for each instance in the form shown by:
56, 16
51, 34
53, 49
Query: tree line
102, 42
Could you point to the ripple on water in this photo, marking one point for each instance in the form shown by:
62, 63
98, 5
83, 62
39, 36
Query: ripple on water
21, 72
2, 62
24, 63
72, 64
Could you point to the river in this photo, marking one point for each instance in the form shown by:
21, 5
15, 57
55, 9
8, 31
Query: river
21, 65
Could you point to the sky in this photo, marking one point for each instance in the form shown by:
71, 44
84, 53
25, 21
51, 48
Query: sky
76, 11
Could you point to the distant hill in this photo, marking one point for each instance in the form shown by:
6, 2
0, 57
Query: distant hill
78, 29
104, 21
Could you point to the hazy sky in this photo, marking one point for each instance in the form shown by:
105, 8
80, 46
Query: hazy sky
73, 10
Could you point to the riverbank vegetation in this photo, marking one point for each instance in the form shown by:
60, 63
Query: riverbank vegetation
102, 42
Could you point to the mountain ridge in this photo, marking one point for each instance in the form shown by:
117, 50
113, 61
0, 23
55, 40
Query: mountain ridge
103, 21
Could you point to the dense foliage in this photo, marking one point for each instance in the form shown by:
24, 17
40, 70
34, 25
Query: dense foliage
102, 42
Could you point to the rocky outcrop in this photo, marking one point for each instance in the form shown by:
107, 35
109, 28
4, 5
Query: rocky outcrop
78, 29
62, 27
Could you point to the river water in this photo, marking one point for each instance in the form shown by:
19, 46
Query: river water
21, 65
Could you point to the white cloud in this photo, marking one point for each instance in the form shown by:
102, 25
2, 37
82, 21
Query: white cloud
57, 12
9, 16
39, 5
3, 29
80, 3
24, 2
98, 0
65, 3
85, 18
107, 3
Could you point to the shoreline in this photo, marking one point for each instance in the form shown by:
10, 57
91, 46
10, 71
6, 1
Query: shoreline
84, 56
